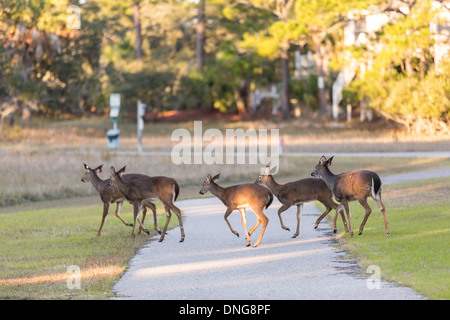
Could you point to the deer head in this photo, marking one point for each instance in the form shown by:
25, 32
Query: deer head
320, 168
266, 177
116, 176
88, 172
207, 183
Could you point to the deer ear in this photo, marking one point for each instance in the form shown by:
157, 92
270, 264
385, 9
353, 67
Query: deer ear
208, 177
112, 170
329, 161
86, 167
121, 171
98, 169
216, 177
267, 171
322, 160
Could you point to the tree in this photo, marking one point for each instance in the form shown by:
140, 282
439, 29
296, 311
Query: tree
137, 27
322, 19
283, 31
200, 35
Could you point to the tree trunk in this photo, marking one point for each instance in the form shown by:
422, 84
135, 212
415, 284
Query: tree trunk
137, 27
285, 81
321, 78
200, 31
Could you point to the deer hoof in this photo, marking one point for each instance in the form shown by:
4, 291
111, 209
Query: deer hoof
387, 234
237, 234
182, 239
147, 232
130, 225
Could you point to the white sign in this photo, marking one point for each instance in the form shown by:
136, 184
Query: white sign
114, 104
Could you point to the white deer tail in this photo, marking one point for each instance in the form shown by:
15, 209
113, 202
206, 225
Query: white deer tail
376, 190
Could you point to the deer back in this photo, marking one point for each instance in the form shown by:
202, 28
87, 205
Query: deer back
304, 190
356, 184
250, 193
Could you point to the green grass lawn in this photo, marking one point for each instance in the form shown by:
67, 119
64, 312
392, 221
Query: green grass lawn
417, 252
37, 247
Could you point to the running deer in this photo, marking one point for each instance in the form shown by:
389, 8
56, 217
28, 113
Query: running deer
240, 197
143, 189
354, 185
297, 193
110, 194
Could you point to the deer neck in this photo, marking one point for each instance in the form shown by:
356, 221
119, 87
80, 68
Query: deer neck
329, 178
216, 190
273, 186
96, 181
121, 185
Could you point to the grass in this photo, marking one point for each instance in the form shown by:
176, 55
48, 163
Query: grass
44, 162
38, 247
54, 174
416, 254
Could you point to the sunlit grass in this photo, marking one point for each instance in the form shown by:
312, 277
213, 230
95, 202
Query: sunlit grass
38, 247
417, 252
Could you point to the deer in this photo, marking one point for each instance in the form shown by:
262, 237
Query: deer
240, 197
143, 189
350, 186
297, 193
110, 194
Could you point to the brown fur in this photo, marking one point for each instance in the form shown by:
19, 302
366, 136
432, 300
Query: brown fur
110, 194
234, 197
142, 189
354, 185
299, 192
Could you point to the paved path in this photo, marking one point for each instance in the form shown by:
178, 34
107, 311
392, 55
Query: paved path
212, 263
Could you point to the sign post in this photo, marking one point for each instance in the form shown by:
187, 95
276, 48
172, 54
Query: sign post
140, 123
113, 134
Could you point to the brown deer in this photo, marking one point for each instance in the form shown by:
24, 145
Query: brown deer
110, 194
354, 185
241, 197
297, 193
143, 189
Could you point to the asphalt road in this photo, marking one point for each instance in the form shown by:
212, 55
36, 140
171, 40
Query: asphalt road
212, 263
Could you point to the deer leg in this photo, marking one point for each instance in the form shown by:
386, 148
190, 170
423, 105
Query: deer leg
283, 208
118, 209
136, 209
258, 222
168, 215
299, 208
141, 222
244, 223
383, 211
155, 221
340, 209
324, 214
227, 213
141, 226
180, 219
347, 210
368, 210
265, 221
105, 213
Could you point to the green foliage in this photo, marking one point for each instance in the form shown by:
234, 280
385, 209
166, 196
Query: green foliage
244, 44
